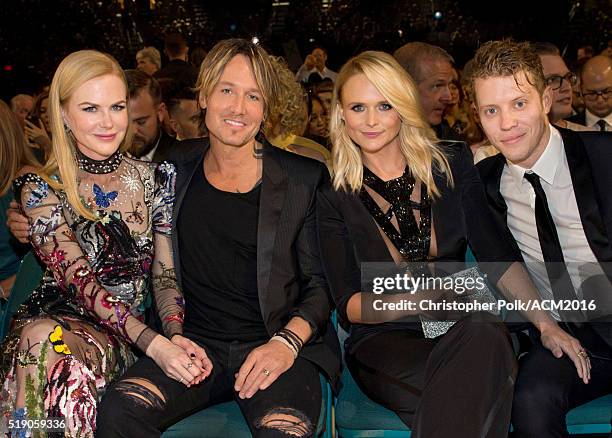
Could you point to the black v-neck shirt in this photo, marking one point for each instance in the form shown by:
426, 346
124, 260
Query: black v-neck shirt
217, 233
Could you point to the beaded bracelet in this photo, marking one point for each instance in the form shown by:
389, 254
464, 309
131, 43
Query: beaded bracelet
284, 341
290, 339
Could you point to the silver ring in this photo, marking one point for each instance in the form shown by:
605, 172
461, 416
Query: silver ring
266, 372
181, 381
189, 365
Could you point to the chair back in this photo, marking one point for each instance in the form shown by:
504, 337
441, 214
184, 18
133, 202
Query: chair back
28, 277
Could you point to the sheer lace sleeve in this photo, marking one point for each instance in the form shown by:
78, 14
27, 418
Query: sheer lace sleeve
169, 299
57, 246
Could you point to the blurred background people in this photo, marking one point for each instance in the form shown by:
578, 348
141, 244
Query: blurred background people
596, 89
15, 154
22, 105
148, 60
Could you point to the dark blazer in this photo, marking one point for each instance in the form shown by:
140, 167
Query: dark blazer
589, 156
164, 147
180, 71
349, 236
579, 118
290, 278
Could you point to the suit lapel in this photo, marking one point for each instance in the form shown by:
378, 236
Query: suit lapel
273, 191
492, 179
586, 194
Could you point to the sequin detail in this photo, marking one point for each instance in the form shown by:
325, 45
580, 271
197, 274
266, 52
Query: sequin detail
412, 240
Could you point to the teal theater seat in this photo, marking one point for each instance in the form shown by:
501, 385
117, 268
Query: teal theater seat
226, 420
594, 417
28, 277
358, 416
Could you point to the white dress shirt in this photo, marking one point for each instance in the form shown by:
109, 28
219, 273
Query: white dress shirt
591, 120
554, 173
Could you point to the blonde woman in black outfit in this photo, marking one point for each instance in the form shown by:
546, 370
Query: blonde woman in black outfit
399, 195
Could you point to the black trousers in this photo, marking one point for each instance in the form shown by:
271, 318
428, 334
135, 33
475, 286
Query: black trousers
456, 385
547, 388
297, 392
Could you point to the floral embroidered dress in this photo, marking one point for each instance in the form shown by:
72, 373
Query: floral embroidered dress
76, 332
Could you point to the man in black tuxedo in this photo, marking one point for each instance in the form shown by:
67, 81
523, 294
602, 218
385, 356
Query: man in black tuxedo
551, 187
247, 260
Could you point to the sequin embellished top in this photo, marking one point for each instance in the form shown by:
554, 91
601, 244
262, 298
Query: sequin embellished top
103, 270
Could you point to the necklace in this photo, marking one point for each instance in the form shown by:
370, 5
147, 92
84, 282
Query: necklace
99, 167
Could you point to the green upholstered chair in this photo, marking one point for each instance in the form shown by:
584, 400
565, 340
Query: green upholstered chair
28, 277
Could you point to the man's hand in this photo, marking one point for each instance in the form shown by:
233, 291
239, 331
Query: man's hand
262, 367
18, 223
197, 354
559, 342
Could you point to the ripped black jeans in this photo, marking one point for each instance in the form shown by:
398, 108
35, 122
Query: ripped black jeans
130, 408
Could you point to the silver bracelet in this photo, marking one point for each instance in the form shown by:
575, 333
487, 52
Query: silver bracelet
284, 341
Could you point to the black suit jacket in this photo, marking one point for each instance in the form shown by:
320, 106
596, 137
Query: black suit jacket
579, 118
164, 147
290, 278
589, 156
349, 235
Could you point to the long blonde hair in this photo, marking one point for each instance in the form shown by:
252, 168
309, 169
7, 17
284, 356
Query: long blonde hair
75, 69
417, 139
14, 152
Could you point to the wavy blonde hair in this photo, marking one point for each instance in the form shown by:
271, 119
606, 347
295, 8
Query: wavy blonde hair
290, 116
418, 142
74, 70
14, 152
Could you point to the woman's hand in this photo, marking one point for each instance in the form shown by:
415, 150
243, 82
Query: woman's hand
174, 361
36, 134
197, 354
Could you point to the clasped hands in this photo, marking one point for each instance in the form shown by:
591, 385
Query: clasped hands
181, 359
186, 362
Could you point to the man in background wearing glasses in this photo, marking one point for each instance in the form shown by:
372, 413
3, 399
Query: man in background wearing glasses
561, 80
596, 87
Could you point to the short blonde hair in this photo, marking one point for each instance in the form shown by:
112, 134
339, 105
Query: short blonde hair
507, 58
14, 152
74, 70
152, 54
417, 139
223, 52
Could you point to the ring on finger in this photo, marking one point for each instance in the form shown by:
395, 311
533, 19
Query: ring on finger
180, 380
189, 365
583, 354
266, 372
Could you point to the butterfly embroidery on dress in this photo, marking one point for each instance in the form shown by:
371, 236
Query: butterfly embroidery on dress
59, 346
37, 194
103, 199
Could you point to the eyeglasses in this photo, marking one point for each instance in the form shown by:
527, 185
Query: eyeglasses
593, 95
556, 81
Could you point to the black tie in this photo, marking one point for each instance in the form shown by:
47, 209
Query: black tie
602, 124
560, 282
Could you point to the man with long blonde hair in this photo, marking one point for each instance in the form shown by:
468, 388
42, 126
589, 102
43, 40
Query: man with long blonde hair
248, 263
